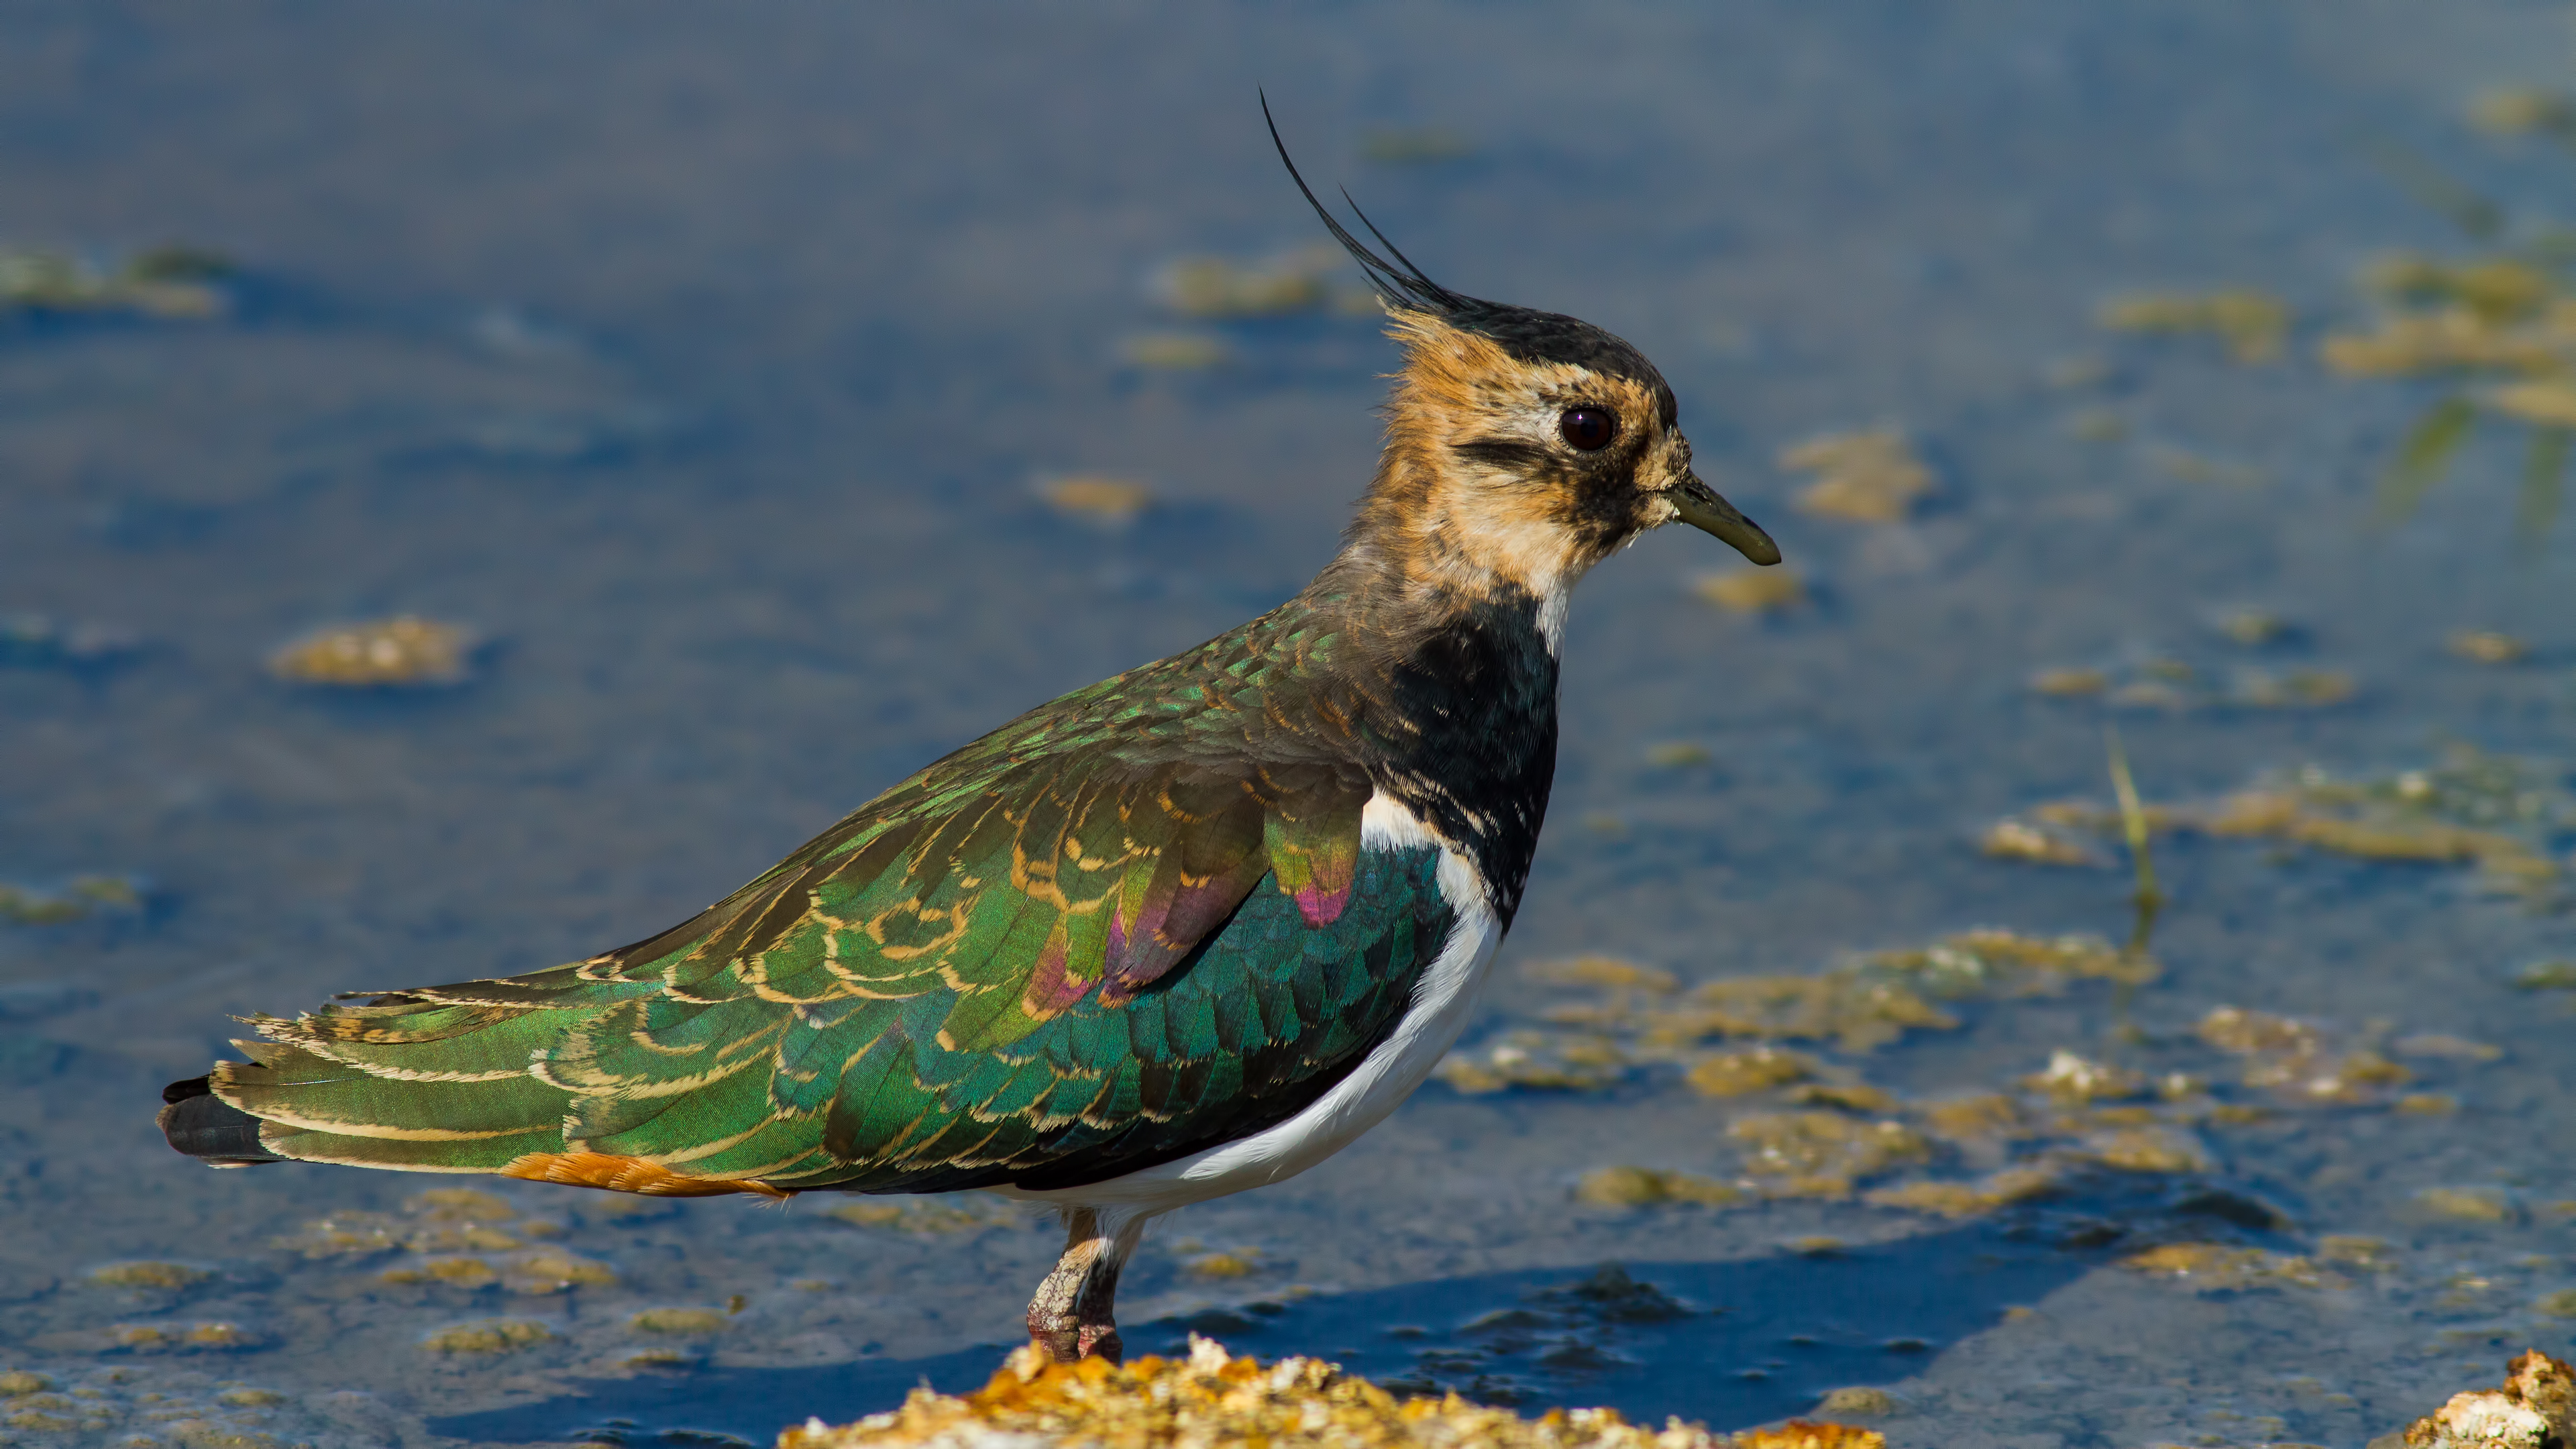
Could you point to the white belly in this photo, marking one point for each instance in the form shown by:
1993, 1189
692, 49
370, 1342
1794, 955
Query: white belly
1442, 1000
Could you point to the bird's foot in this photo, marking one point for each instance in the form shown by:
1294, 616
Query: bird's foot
1081, 1341
1071, 1318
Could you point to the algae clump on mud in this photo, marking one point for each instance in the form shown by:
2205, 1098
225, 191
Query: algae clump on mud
2535, 1408
1212, 1397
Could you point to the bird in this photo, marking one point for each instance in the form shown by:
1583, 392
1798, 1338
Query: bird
1185, 932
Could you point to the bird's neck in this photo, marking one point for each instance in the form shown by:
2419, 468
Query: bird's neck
1451, 690
1433, 539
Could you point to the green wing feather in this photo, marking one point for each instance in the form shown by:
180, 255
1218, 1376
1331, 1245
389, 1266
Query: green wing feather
1099, 938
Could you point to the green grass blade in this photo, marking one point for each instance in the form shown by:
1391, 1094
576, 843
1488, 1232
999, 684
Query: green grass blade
2148, 898
2544, 473
2424, 457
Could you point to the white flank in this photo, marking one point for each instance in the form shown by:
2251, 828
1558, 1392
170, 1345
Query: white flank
1442, 999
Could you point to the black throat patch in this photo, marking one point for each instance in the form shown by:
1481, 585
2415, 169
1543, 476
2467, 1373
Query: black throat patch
1471, 745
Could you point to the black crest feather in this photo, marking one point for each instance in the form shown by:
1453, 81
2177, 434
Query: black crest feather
1399, 280
1524, 332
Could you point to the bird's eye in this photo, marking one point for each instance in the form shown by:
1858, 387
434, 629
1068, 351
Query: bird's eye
1588, 430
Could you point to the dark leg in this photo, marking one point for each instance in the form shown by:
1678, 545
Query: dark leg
1071, 1317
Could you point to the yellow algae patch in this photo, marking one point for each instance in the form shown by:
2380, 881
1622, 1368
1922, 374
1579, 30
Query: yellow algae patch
1678, 754
1217, 287
1966, 1199
18, 1383
83, 897
1212, 1397
347, 1235
2520, 110
1113, 500
2347, 1250
170, 283
1609, 971
1992, 962
2453, 339
250, 1398
2468, 1204
2485, 646
2471, 807
2252, 628
1752, 591
2437, 1044
2546, 976
2549, 402
438, 1237
181, 1338
1173, 351
1866, 477
161, 1277
466, 1273
2294, 1060
2291, 689
454, 1230
1535, 1061
1737, 1074
1985, 1117
1856, 1013
1223, 1265
492, 1335
676, 1321
2011, 839
2217, 1267
1624, 1187
2069, 683
2284, 816
1845, 1096
405, 650
1864, 1401
1822, 1154
2147, 1149
2493, 289
2252, 324
2176, 687
552, 1272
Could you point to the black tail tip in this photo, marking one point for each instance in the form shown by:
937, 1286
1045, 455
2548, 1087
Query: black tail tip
207, 1127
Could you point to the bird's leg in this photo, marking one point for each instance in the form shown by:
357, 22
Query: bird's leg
1071, 1317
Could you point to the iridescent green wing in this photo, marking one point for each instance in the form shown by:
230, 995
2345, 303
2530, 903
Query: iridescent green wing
996, 938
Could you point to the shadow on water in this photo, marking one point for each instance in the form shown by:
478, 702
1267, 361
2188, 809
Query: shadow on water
1730, 1343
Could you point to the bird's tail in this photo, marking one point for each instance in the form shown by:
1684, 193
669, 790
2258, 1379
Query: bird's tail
207, 1127
405, 1081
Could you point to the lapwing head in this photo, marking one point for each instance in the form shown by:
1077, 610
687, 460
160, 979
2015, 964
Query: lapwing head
1523, 447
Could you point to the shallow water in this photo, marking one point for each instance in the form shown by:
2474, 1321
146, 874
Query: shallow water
709, 364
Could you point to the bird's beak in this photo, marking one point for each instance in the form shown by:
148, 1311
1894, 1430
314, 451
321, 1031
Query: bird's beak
1698, 505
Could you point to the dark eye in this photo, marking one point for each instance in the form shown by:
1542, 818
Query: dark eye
1588, 430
